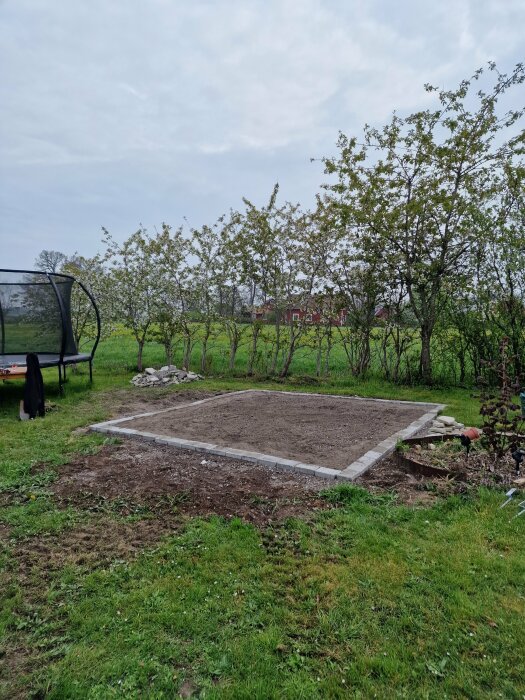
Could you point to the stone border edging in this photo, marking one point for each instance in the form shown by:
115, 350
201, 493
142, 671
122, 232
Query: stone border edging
349, 473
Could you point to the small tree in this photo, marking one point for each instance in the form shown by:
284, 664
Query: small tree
134, 284
261, 263
92, 274
207, 244
169, 250
306, 246
361, 289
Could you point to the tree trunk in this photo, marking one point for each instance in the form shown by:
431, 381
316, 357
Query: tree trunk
462, 368
328, 352
205, 339
288, 361
139, 356
168, 350
364, 354
294, 336
204, 354
187, 352
233, 353
399, 354
319, 359
425, 361
256, 329
277, 344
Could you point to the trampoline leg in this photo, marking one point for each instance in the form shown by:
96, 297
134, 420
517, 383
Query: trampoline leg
65, 378
91, 371
60, 382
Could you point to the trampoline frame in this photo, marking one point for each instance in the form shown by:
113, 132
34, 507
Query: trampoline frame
63, 359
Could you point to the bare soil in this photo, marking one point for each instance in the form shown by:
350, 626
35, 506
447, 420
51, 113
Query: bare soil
184, 482
325, 430
411, 489
130, 402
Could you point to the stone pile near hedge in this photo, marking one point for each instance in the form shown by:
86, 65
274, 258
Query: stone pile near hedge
165, 376
445, 425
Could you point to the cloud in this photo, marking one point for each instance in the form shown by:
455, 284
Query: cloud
211, 99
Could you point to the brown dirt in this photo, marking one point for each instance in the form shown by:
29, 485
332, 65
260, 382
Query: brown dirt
411, 489
130, 402
161, 484
465, 474
326, 430
177, 480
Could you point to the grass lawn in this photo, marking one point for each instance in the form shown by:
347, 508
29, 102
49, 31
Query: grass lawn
366, 598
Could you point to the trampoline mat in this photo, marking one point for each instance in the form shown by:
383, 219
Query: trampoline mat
45, 359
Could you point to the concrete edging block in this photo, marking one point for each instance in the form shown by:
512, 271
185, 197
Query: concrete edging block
302, 468
327, 473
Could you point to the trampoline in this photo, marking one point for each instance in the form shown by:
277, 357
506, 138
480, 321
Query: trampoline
36, 317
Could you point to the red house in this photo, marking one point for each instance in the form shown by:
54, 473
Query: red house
296, 314
315, 311
311, 312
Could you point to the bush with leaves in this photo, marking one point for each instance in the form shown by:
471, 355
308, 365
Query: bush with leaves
502, 419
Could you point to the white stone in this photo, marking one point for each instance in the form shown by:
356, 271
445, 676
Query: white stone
166, 376
447, 420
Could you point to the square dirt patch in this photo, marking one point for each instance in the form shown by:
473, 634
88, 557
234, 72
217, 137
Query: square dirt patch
332, 431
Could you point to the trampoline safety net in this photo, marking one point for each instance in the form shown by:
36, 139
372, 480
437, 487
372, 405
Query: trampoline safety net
35, 313
36, 317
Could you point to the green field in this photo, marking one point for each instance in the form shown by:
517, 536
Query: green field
446, 369
367, 599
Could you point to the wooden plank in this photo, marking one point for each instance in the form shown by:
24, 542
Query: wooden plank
13, 373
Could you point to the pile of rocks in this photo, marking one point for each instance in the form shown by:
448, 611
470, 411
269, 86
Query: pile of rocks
164, 376
445, 425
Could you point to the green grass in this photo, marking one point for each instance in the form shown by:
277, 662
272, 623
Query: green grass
369, 599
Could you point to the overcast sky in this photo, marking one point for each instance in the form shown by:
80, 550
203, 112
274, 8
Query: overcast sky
120, 112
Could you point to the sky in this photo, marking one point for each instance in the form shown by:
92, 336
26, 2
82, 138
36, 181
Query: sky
118, 113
